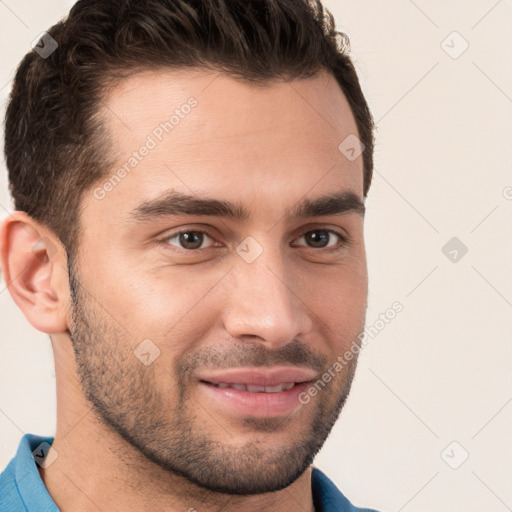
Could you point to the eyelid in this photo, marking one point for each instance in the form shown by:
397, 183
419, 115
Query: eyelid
344, 238
202, 230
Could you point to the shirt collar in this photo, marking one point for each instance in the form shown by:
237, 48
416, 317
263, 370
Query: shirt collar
28, 480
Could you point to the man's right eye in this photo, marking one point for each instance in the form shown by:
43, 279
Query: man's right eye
188, 240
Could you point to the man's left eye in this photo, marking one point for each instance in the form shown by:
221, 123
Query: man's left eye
321, 238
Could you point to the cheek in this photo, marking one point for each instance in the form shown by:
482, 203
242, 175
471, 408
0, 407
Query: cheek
176, 306
167, 305
338, 304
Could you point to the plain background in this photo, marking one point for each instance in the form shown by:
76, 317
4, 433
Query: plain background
440, 372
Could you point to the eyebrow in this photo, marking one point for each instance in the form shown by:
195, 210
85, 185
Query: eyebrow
174, 203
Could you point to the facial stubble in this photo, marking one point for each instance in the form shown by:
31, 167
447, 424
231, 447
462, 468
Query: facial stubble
127, 398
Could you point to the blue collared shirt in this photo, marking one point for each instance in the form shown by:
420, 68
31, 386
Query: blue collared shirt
22, 490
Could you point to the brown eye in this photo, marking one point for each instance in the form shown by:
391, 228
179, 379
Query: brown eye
189, 240
317, 238
323, 238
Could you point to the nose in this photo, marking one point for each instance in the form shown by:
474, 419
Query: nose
265, 302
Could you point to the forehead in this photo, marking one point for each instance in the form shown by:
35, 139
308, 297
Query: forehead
230, 115
205, 133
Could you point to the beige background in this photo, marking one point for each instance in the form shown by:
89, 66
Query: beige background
441, 370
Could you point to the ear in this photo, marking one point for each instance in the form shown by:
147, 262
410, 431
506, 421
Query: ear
34, 268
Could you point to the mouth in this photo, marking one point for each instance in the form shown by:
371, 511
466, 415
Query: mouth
256, 392
285, 386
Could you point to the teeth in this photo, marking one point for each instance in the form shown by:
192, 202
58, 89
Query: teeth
274, 389
258, 389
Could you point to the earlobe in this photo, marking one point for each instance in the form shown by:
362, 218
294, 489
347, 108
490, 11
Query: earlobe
34, 271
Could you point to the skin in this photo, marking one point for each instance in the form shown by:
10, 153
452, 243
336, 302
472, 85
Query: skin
128, 434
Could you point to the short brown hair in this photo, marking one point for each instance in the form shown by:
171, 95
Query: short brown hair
56, 146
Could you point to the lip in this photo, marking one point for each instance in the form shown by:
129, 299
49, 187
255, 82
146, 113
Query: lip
239, 402
259, 376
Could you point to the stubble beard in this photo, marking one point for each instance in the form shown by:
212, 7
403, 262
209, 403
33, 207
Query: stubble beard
125, 396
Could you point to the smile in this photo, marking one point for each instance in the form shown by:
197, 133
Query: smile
255, 392
256, 389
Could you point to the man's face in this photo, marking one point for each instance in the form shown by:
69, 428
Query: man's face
188, 345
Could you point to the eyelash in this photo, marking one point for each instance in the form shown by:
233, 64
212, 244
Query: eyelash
344, 240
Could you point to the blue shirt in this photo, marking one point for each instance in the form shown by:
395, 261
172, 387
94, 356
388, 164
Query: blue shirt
22, 490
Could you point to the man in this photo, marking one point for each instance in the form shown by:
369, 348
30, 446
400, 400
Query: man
189, 181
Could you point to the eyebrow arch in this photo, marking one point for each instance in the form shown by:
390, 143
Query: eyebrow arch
176, 203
